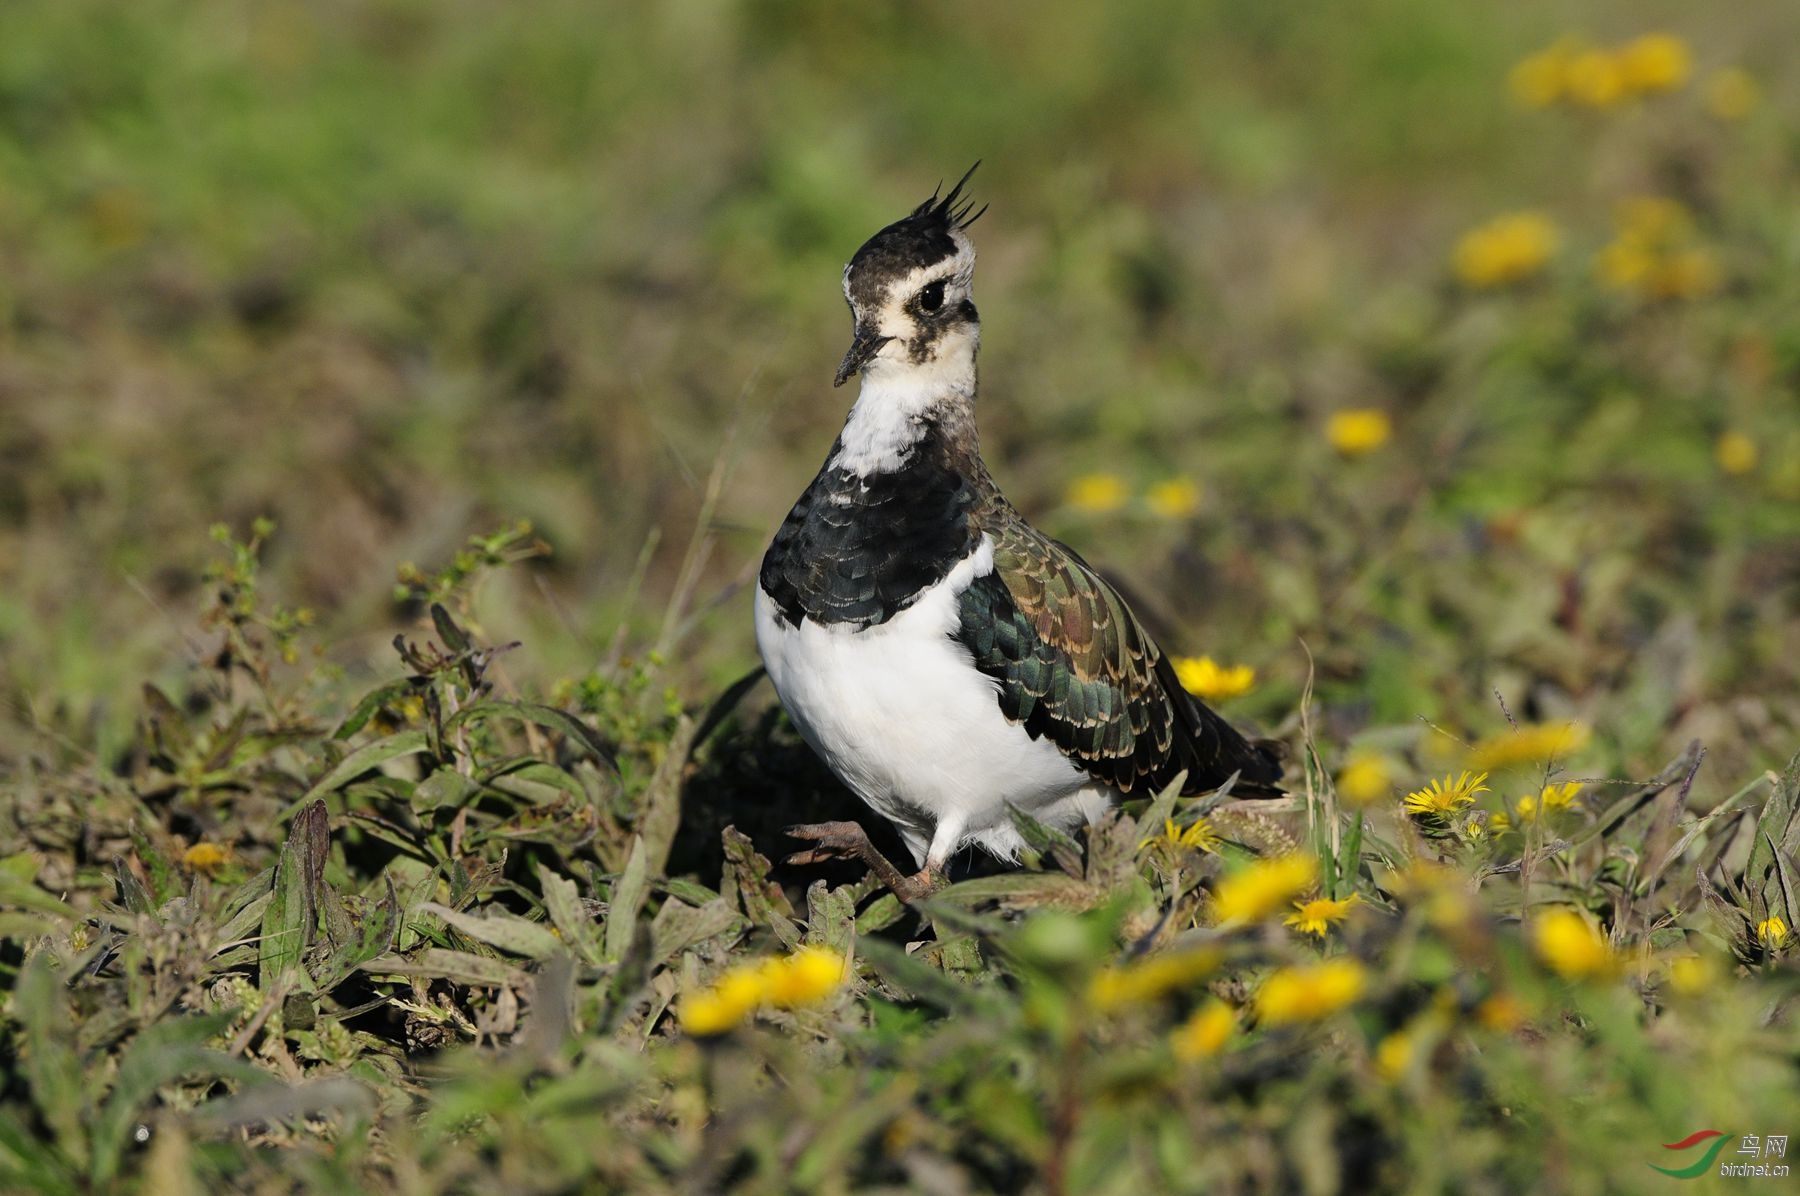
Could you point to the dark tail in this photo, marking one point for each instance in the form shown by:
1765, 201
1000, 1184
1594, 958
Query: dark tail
1218, 749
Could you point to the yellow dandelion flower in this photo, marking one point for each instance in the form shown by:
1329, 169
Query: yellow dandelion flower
1442, 797
1501, 1012
1693, 975
1654, 63
1197, 836
1595, 78
1573, 949
1736, 453
1358, 431
786, 982
1310, 991
1531, 743
726, 1005
1394, 1054
1205, 1033
1206, 678
1320, 914
1772, 931
1540, 80
1559, 796
1151, 978
1732, 94
1624, 265
1685, 274
1653, 219
1253, 893
1174, 498
804, 978
1098, 493
1365, 780
207, 858
1507, 249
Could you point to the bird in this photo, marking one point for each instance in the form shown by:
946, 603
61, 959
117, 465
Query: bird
949, 662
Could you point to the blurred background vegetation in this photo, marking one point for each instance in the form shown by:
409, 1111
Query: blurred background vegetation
1399, 353
394, 273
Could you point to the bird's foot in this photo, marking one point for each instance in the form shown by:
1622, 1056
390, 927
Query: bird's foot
848, 841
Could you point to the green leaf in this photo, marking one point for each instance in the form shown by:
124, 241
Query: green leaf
508, 932
372, 755
371, 702
562, 901
290, 920
628, 894
458, 966
51, 1066
661, 816
376, 934
160, 1055
561, 721
443, 789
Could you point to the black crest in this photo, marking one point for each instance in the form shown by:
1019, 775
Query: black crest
946, 212
921, 239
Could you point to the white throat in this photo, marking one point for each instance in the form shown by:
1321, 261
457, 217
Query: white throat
891, 410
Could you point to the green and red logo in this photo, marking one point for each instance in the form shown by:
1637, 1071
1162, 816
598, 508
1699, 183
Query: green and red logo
1705, 1161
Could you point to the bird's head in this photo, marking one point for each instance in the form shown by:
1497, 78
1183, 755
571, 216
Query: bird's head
908, 288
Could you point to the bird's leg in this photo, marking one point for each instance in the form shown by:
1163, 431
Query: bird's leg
848, 841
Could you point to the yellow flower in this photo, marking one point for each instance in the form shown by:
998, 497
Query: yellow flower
724, 1006
804, 978
1254, 892
1394, 1055
1732, 94
1206, 678
1197, 836
209, 858
1441, 798
1364, 780
1653, 220
1655, 62
1530, 807
1686, 274
1532, 743
1174, 498
1772, 931
1310, 991
1152, 977
1205, 1033
1595, 78
1358, 431
1502, 1012
1559, 796
785, 982
1318, 915
1505, 250
1735, 452
1541, 79
1692, 975
1651, 257
1573, 949
1098, 493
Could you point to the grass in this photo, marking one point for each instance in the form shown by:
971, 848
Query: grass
506, 330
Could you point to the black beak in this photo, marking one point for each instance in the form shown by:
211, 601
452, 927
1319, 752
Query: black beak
868, 342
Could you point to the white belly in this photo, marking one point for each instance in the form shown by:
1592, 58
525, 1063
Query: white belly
902, 716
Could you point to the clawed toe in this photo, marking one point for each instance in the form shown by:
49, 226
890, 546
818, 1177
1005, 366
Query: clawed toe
848, 841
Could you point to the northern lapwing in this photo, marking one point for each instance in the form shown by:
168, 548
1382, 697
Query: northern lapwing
945, 658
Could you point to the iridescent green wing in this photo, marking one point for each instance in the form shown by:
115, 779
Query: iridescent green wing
1075, 667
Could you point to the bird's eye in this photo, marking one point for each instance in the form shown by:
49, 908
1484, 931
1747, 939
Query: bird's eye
932, 297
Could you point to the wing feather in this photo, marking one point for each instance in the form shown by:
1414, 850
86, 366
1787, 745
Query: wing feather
1074, 666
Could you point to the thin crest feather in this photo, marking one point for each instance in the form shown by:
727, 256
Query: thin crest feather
947, 211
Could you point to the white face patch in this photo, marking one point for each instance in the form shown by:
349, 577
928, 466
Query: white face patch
898, 392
